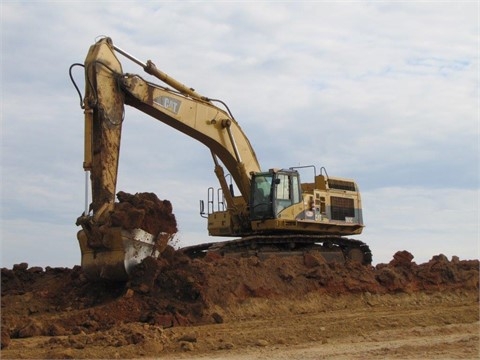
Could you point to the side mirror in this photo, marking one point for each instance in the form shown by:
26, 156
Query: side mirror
202, 209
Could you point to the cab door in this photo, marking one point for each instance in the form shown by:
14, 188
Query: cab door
286, 190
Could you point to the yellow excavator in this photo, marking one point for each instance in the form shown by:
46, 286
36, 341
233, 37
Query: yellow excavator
274, 211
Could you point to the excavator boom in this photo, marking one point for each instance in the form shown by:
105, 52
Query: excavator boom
107, 89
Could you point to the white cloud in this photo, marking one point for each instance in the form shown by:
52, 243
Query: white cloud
421, 220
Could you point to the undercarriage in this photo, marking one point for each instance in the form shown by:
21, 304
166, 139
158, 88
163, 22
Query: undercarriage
332, 248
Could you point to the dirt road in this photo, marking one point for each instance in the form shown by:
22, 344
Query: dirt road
403, 326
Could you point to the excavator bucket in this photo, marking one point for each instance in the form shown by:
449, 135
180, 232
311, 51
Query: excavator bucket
125, 249
139, 226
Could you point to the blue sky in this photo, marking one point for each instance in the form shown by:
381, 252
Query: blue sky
385, 93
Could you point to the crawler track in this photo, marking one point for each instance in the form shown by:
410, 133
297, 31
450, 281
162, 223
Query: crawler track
333, 248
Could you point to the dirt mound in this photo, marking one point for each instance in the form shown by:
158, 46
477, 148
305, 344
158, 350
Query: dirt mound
145, 211
175, 290
235, 279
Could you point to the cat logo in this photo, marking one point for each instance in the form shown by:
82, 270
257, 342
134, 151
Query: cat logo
168, 103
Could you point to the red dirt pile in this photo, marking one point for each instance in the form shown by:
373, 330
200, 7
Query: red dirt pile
176, 290
145, 211
235, 279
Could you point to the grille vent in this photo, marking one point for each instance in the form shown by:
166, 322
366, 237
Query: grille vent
341, 185
342, 208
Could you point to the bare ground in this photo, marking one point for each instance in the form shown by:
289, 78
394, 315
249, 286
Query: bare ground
296, 307
56, 313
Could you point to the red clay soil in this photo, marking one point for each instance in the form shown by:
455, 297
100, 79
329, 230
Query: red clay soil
145, 211
175, 290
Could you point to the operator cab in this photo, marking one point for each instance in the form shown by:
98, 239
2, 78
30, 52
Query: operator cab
273, 191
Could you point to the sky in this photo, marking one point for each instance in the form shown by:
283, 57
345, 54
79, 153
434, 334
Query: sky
382, 92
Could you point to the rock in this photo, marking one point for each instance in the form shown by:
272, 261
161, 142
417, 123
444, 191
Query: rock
217, 318
144, 288
135, 338
186, 346
78, 345
313, 259
33, 328
61, 354
188, 338
261, 342
439, 258
32, 310
389, 279
21, 266
153, 347
145, 211
129, 293
5, 338
401, 258
55, 330
226, 346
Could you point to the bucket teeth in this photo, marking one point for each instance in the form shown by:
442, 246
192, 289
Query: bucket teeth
126, 249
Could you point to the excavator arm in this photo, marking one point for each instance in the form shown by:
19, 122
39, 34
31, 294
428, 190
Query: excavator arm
200, 120
107, 90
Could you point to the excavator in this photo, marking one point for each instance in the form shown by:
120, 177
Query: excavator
273, 212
